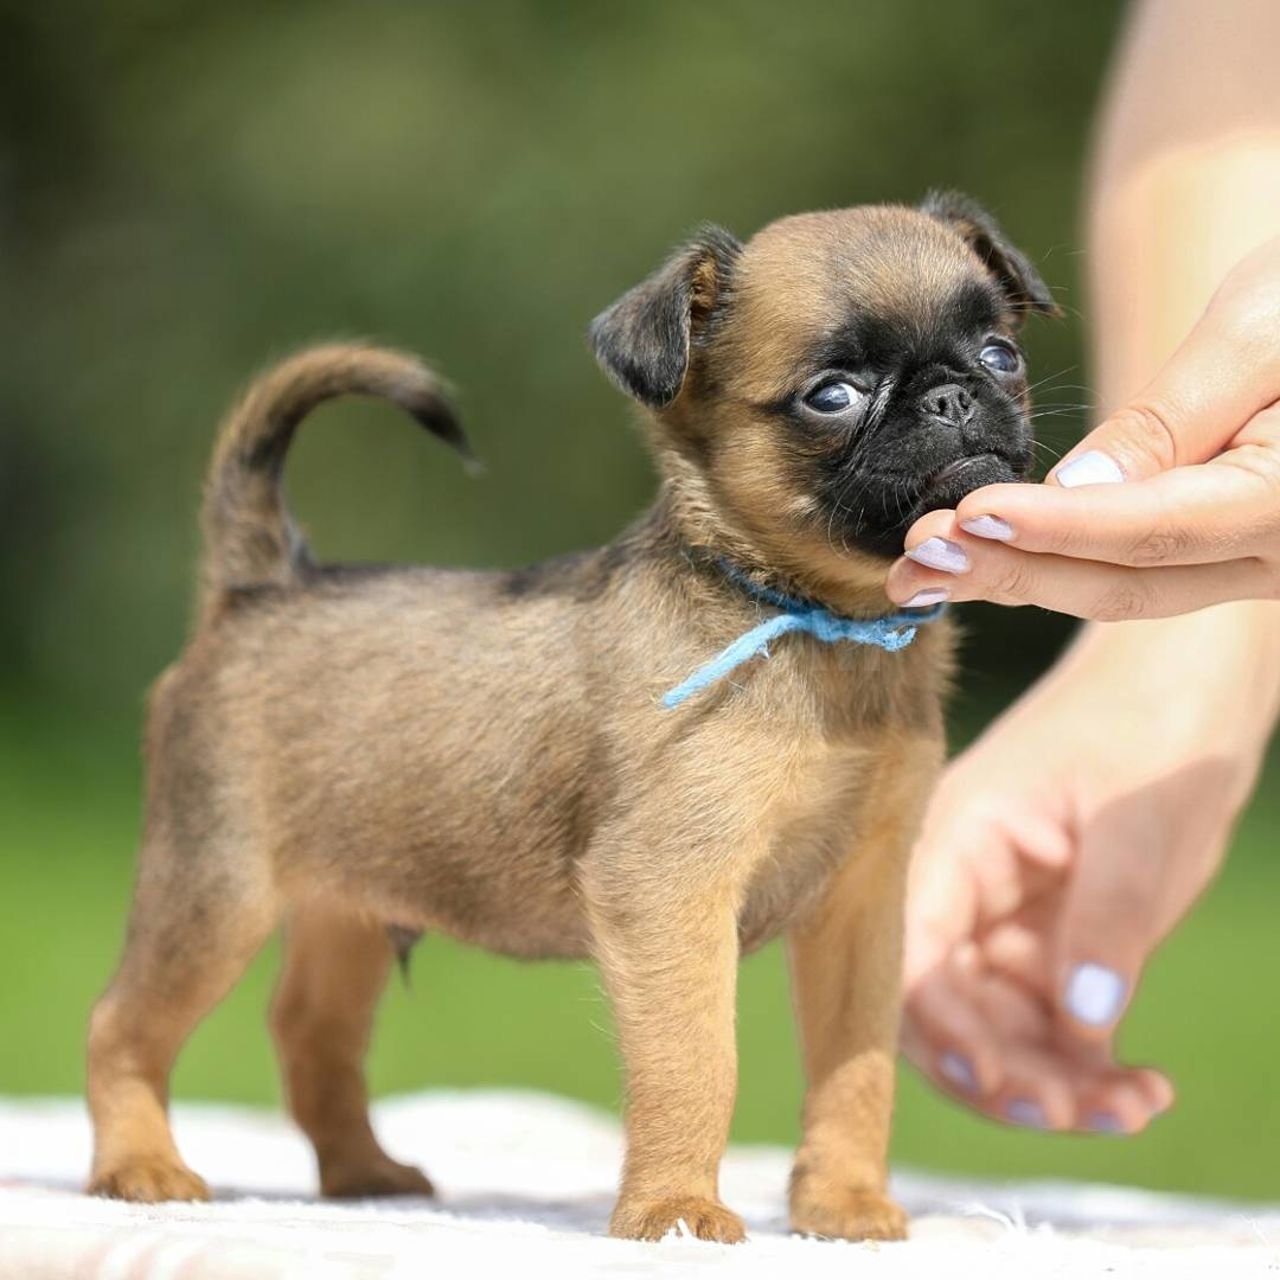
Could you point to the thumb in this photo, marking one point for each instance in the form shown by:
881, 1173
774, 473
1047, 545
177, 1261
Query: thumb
1108, 928
1226, 370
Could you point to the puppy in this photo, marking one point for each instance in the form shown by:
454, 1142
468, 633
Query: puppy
541, 762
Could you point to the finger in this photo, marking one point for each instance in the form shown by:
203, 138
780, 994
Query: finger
942, 906
1156, 1088
942, 523
942, 1033
1016, 1013
1225, 371
1086, 588
1038, 1090
946, 1035
1104, 1096
971, 866
1117, 1103
1123, 1099
971, 873
1020, 952
1043, 1082
1047, 1088
1223, 510
1111, 922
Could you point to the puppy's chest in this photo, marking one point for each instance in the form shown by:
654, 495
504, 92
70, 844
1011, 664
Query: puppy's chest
805, 836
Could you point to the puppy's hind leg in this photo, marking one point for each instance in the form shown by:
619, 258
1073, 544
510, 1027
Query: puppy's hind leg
198, 918
335, 967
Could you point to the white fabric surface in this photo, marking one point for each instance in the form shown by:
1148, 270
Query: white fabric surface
527, 1183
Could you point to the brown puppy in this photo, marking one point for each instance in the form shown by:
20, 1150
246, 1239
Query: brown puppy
364, 753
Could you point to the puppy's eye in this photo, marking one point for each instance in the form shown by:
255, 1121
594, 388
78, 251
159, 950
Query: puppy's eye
999, 357
834, 397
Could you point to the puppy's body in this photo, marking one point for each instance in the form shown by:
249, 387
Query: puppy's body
309, 705
371, 753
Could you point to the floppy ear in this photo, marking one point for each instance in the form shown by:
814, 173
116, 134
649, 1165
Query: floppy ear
643, 341
1020, 281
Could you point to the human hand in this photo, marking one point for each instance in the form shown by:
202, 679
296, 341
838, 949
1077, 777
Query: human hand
1056, 855
1170, 505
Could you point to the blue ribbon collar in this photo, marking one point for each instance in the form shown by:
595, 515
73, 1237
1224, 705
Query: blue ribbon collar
891, 632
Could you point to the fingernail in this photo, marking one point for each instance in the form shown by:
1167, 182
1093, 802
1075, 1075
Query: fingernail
1104, 1122
989, 527
938, 553
1095, 994
1093, 467
959, 1070
1026, 1113
930, 595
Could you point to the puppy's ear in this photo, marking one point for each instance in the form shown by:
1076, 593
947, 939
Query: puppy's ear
643, 341
1020, 281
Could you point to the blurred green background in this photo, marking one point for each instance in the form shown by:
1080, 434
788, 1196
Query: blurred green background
187, 191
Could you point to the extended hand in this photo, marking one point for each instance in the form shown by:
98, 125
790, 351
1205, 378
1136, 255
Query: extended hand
1170, 505
1057, 853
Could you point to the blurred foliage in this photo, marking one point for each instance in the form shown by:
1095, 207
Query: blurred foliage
188, 191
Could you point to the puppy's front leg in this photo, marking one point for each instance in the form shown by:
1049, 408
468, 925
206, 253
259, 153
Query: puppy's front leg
669, 957
845, 963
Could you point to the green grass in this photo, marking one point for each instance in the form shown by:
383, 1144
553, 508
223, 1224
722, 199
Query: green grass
1207, 1013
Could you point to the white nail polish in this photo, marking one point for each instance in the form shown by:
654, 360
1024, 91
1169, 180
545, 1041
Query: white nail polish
930, 595
1095, 994
1104, 1122
1026, 1113
938, 553
1094, 467
958, 1069
989, 527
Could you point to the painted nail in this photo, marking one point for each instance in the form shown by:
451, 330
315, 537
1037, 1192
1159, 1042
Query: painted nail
930, 595
989, 527
1026, 1113
1104, 1122
956, 1068
1095, 994
938, 553
1093, 467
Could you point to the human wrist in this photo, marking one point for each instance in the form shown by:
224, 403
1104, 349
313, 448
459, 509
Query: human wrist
1210, 678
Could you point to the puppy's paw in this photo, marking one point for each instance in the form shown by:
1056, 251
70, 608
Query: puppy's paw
367, 1179
148, 1180
847, 1214
638, 1219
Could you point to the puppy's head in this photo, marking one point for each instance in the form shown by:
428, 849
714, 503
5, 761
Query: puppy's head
835, 378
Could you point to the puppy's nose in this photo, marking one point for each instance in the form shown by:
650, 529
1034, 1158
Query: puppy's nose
950, 404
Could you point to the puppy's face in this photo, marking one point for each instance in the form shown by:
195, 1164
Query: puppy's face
837, 377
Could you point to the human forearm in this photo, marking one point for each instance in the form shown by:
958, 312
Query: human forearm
1185, 177
1210, 678
1185, 182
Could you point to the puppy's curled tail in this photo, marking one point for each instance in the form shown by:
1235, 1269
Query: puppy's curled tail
249, 539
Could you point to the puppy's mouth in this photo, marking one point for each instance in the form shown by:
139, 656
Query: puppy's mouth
958, 467
946, 486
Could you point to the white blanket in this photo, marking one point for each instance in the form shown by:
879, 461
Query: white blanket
526, 1186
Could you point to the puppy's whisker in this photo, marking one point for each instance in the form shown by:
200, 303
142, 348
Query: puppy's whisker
1054, 455
1053, 377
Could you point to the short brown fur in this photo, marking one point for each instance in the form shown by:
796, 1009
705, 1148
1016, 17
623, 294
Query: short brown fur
485, 754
